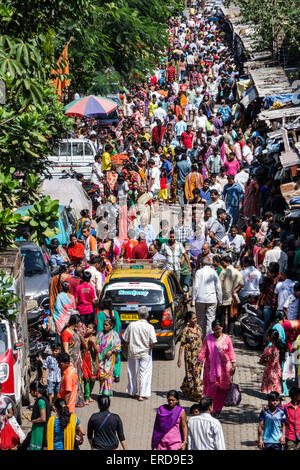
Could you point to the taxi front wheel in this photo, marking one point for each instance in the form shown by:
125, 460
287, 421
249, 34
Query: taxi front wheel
170, 353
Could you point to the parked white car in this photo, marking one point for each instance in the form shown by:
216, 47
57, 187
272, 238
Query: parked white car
69, 192
73, 154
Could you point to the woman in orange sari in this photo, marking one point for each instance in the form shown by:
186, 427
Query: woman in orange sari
193, 180
183, 102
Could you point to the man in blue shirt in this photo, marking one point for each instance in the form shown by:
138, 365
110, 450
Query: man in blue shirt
180, 127
183, 168
56, 258
232, 194
271, 428
205, 191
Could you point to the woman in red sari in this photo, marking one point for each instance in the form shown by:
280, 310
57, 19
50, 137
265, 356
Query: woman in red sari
220, 364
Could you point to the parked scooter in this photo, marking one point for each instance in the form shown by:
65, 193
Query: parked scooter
252, 326
37, 321
38, 352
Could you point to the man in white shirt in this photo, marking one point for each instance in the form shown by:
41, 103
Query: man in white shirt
96, 276
252, 279
160, 113
204, 431
128, 108
154, 182
276, 255
200, 121
291, 305
190, 61
139, 338
247, 153
215, 203
175, 87
206, 295
241, 177
284, 289
235, 241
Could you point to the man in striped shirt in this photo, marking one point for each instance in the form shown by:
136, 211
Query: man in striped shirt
204, 431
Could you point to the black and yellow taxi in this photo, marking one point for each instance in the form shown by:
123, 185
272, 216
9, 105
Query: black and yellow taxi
133, 285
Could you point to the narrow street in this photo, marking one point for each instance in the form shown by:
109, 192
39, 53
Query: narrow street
239, 423
149, 192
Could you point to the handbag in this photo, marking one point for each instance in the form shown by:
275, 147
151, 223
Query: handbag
78, 437
289, 367
233, 396
9, 438
52, 327
234, 308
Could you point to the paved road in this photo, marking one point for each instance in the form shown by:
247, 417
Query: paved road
239, 423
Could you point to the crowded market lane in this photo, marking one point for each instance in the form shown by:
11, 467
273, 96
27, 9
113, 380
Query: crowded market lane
239, 423
222, 142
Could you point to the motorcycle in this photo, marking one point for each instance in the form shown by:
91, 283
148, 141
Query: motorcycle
186, 295
37, 321
252, 326
38, 352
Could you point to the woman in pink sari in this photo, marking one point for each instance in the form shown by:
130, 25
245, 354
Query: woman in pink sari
218, 354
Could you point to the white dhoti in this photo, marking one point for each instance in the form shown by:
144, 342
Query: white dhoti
143, 367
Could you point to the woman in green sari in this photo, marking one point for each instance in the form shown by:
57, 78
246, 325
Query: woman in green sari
106, 311
108, 345
39, 418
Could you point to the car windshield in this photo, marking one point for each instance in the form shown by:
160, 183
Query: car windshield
129, 295
3, 339
34, 262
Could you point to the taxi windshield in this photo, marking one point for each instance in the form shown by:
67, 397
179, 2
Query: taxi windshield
137, 295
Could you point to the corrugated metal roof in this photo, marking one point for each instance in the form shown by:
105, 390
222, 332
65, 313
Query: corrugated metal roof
288, 159
279, 113
270, 81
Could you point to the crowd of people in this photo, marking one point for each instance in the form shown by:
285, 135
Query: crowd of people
187, 143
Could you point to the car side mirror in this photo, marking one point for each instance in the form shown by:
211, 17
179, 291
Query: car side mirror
18, 345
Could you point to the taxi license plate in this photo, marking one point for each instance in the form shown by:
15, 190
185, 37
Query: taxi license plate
129, 316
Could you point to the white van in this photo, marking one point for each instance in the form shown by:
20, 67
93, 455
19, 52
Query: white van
73, 154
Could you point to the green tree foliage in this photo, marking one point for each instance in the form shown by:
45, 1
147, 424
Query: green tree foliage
9, 223
8, 299
40, 220
274, 18
113, 42
127, 35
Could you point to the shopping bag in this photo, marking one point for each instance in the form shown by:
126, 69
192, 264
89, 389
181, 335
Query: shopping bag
234, 308
233, 396
289, 367
9, 438
52, 327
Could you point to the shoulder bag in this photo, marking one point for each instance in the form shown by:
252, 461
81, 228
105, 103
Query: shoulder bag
9, 438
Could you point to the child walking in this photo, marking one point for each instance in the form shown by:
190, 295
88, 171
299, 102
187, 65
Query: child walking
54, 374
163, 192
90, 363
271, 428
